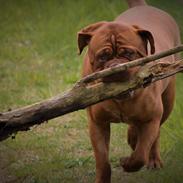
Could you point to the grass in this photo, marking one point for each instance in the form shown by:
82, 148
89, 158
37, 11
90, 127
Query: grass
38, 59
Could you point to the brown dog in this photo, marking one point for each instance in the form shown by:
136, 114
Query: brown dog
120, 41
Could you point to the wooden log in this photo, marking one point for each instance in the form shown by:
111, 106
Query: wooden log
83, 94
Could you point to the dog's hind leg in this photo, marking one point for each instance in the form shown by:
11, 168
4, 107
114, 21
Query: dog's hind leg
100, 138
154, 156
168, 97
132, 136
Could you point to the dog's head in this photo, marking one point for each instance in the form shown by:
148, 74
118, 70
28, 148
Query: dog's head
111, 43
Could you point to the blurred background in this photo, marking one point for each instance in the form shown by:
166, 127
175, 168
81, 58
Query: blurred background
38, 59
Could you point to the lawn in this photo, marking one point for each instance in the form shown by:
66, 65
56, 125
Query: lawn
38, 59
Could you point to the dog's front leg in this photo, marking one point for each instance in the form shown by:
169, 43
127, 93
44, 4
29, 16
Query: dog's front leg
154, 156
100, 138
147, 134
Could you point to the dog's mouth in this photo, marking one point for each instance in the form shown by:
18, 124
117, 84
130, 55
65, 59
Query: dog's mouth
118, 77
122, 76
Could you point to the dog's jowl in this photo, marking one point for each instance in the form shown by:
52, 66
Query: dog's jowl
136, 33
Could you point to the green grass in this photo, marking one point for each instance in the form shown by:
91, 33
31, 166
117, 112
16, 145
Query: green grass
38, 59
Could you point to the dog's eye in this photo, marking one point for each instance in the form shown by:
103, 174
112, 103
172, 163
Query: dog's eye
127, 53
104, 57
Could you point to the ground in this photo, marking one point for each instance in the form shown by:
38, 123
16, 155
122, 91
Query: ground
38, 59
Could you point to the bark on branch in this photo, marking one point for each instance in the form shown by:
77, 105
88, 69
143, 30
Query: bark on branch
83, 95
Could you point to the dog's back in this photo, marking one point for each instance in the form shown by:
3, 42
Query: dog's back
152, 19
134, 3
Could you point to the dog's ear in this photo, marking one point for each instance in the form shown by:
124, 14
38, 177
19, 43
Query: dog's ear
146, 36
85, 35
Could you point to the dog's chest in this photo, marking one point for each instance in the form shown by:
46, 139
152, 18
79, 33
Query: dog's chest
131, 111
116, 112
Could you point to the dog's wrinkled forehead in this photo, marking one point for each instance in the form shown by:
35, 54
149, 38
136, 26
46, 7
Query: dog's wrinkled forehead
114, 35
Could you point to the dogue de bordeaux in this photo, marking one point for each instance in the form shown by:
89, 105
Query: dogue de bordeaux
140, 31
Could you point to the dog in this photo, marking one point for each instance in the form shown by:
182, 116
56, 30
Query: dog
138, 32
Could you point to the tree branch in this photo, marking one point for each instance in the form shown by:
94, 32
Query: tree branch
83, 95
138, 62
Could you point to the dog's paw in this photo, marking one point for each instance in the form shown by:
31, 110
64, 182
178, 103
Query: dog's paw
131, 164
155, 163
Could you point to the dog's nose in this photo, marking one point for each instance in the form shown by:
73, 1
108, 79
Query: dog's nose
113, 64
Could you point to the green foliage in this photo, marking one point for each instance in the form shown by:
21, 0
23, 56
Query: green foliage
38, 59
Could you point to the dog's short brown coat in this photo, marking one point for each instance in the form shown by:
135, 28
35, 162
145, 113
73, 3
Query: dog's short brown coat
122, 40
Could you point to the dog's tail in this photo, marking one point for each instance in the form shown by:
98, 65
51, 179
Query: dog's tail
133, 3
